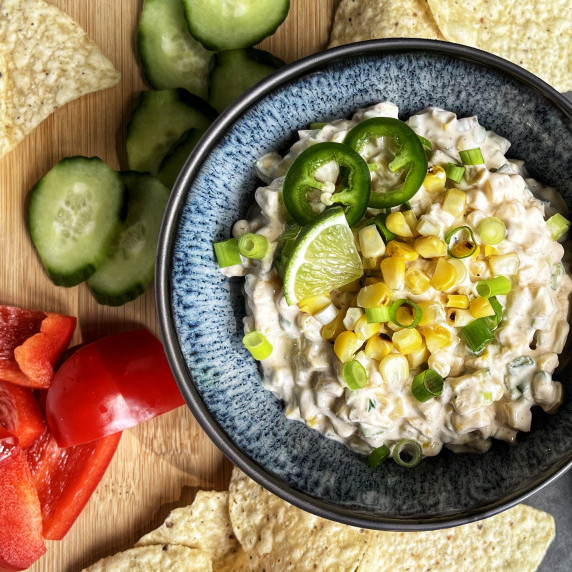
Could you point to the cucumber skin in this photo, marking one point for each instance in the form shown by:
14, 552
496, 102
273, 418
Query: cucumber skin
67, 280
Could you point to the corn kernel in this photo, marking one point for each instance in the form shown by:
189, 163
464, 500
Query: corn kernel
457, 301
398, 249
476, 253
444, 276
436, 337
332, 330
490, 251
407, 341
398, 410
427, 228
455, 202
370, 242
504, 264
351, 318
481, 307
416, 281
430, 247
313, 304
393, 271
419, 356
346, 345
460, 268
377, 347
458, 317
404, 315
365, 330
435, 179
430, 312
411, 220
374, 295
394, 369
396, 223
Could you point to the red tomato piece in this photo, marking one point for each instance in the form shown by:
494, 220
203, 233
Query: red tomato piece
109, 385
66, 478
20, 413
21, 542
31, 344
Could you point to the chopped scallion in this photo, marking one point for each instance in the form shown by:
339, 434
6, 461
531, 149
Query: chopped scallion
427, 145
477, 334
461, 242
253, 245
472, 156
377, 456
377, 315
354, 375
257, 344
407, 453
417, 312
454, 172
494, 321
557, 226
227, 253
492, 230
497, 286
379, 221
426, 385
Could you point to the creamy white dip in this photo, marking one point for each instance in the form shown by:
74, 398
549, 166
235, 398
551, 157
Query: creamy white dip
484, 396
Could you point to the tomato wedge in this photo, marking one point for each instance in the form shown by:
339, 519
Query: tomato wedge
21, 542
31, 344
109, 385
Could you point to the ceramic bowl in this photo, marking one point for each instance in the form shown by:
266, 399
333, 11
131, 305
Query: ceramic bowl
201, 311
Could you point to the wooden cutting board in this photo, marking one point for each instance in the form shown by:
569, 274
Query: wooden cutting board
161, 464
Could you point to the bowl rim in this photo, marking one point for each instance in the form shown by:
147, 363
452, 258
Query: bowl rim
165, 246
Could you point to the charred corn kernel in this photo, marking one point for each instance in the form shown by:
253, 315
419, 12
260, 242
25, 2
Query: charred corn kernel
457, 301
394, 369
407, 341
346, 345
393, 272
435, 179
430, 247
416, 281
481, 308
352, 316
458, 317
332, 330
490, 251
396, 223
504, 264
370, 242
445, 275
351, 287
399, 249
365, 330
378, 347
411, 220
455, 202
430, 311
436, 337
313, 304
374, 295
460, 268
419, 356
464, 249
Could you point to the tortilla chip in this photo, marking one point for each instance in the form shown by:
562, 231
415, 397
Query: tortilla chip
46, 60
357, 20
516, 539
157, 558
278, 536
535, 35
204, 525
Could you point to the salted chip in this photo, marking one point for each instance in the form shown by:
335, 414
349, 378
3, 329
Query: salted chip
157, 558
205, 525
358, 20
46, 60
535, 35
516, 539
278, 536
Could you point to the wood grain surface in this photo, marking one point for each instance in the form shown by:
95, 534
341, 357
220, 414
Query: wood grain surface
162, 463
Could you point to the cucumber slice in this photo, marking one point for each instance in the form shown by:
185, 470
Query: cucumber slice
73, 215
174, 161
171, 57
158, 122
223, 25
235, 71
128, 268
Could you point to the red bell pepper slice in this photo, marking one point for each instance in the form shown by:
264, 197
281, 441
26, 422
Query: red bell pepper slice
109, 385
20, 413
31, 344
66, 478
21, 542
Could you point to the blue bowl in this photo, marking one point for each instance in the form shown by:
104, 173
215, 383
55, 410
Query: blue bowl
200, 311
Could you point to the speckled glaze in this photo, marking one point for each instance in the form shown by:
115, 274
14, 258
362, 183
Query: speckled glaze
201, 311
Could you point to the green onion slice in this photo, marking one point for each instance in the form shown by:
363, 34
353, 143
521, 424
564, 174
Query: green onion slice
417, 312
377, 315
257, 344
454, 172
407, 453
426, 385
494, 321
379, 221
477, 334
472, 156
377, 456
557, 226
461, 247
253, 245
492, 230
427, 145
497, 286
227, 253
354, 375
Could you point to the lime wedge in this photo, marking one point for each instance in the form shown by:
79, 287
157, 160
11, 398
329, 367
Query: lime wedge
324, 257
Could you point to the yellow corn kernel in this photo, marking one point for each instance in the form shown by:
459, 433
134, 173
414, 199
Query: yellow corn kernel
504, 264
419, 356
332, 330
460, 268
416, 281
457, 301
490, 251
458, 317
374, 295
455, 202
404, 315
370, 242
393, 272
407, 341
476, 253
365, 330
444, 276
411, 220
481, 307
398, 410
435, 179
436, 337
313, 304
430, 311
351, 317
396, 223
402, 250
394, 369
427, 228
430, 247
346, 345
377, 347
